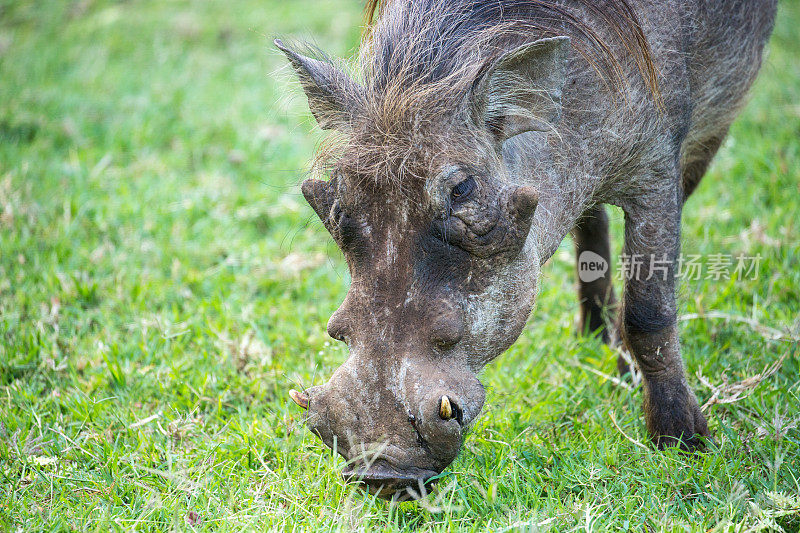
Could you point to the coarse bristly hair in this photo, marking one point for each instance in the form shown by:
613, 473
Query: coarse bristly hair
418, 59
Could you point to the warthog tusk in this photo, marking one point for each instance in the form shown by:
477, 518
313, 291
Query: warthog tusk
300, 398
445, 409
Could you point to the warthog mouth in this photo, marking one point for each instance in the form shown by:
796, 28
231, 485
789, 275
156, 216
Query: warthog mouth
387, 482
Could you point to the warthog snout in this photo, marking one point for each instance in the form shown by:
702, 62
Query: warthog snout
382, 479
398, 425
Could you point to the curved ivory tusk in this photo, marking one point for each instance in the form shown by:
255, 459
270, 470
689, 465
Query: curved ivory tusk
445, 409
300, 398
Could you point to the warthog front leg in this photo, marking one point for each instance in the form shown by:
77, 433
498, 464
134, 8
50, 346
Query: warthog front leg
599, 307
598, 304
649, 323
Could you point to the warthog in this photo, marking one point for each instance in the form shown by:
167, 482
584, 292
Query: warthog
477, 135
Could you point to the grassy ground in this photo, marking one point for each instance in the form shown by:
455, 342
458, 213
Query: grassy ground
162, 284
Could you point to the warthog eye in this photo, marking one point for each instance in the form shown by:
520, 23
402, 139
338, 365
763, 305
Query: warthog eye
462, 190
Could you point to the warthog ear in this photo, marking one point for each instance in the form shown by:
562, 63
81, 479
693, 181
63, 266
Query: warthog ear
521, 91
332, 94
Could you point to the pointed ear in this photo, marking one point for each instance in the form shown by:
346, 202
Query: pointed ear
521, 91
332, 95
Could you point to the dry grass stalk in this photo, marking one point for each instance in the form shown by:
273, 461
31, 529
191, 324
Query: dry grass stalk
734, 392
767, 332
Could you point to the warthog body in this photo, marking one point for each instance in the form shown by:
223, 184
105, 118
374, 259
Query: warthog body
478, 136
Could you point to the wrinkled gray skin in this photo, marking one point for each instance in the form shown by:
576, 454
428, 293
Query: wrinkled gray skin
443, 281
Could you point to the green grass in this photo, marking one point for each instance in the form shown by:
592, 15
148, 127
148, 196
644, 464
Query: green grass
163, 284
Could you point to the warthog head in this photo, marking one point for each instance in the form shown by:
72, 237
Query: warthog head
436, 232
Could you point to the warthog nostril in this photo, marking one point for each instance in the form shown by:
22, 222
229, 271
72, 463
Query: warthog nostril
448, 409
